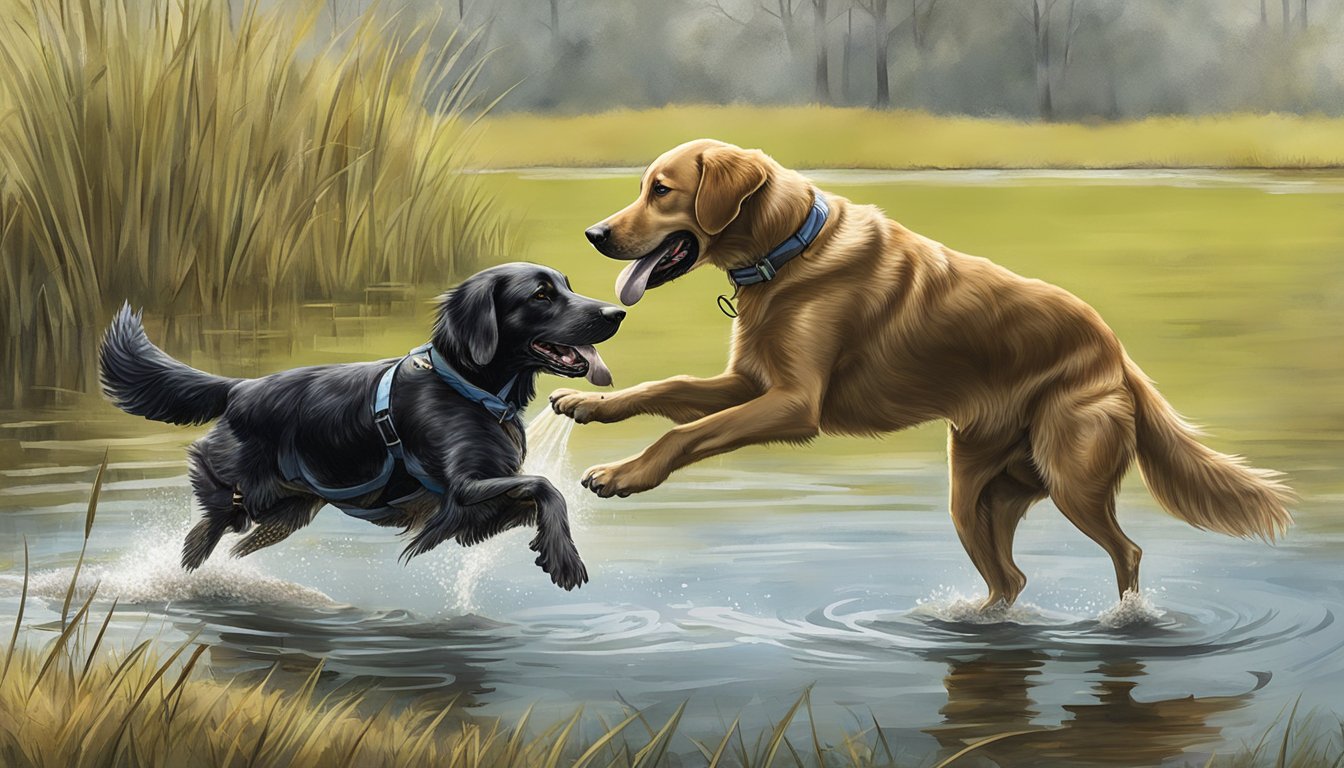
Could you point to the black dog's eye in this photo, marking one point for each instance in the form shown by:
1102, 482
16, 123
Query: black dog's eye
541, 295
660, 189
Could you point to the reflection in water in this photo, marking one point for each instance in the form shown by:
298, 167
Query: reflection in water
990, 694
396, 652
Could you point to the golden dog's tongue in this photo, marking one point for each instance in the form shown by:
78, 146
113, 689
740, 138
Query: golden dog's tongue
598, 373
632, 281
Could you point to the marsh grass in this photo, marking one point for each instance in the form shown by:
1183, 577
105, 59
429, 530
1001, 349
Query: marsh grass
833, 137
78, 703
208, 163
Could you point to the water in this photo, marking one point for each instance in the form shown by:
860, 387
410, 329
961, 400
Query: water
740, 585
749, 578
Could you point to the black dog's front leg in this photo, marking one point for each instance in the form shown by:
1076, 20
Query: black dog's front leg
475, 510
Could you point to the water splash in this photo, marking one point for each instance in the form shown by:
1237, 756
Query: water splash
464, 570
149, 572
548, 445
1134, 609
951, 606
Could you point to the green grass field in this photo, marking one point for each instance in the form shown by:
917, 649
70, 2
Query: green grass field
826, 137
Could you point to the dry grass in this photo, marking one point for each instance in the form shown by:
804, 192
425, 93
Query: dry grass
201, 165
828, 137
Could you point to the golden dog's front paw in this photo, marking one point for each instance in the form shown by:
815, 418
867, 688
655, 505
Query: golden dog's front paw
620, 479
582, 407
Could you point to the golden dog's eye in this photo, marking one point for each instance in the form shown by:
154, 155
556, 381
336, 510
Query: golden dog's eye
660, 188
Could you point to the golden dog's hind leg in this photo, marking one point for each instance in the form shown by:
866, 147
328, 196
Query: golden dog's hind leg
1084, 447
972, 467
1005, 501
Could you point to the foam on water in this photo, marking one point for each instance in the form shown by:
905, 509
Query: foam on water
150, 572
1135, 609
950, 605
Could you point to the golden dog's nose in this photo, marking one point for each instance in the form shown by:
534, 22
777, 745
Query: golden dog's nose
598, 234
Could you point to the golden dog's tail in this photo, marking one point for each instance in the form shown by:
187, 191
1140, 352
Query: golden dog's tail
1205, 488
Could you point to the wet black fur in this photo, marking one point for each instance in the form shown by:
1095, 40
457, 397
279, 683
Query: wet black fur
484, 329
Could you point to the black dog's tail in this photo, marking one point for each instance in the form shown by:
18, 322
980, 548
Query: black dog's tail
143, 380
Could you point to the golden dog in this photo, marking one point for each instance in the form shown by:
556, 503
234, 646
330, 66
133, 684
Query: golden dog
874, 328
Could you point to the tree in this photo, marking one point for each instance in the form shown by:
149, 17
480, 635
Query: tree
846, 53
822, 68
1044, 43
882, 34
921, 21
1040, 26
786, 12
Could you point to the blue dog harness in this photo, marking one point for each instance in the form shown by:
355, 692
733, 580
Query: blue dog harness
498, 405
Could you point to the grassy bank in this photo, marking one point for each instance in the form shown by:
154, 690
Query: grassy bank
218, 168
824, 137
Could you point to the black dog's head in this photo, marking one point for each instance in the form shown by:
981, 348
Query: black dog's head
523, 318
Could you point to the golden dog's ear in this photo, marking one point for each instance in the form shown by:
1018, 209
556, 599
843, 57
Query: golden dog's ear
728, 176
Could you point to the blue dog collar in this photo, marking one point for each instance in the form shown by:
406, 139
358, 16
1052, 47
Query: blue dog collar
765, 270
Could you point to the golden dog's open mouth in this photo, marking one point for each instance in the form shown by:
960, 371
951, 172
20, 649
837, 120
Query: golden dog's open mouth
672, 258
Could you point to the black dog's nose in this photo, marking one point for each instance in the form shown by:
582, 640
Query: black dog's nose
598, 234
613, 314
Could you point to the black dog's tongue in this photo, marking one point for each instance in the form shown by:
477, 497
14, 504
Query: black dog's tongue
598, 373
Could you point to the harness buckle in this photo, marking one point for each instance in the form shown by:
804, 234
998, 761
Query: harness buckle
766, 270
383, 422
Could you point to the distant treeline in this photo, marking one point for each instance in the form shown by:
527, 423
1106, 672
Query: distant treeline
1049, 59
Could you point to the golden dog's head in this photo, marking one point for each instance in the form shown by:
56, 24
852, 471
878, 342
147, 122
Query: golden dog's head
704, 201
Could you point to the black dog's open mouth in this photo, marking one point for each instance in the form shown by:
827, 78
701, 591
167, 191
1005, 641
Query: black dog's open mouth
565, 360
672, 258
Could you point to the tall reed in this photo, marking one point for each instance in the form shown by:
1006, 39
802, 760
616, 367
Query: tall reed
204, 162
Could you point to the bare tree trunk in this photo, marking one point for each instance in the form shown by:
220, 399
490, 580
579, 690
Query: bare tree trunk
847, 55
1286, 18
823, 74
1304, 15
555, 19
881, 42
1041, 26
784, 11
462, 10
1264, 15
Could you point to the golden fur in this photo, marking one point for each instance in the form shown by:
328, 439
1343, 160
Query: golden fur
875, 328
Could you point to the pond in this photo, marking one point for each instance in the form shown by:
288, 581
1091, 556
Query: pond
750, 577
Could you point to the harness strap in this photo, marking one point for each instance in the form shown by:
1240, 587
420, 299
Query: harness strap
293, 468
765, 270
498, 405
382, 419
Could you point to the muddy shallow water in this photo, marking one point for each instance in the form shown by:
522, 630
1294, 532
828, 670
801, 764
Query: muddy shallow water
748, 578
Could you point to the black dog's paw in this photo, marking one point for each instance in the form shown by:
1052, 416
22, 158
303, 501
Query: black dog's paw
563, 564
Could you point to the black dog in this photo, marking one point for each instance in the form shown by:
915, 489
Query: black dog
420, 443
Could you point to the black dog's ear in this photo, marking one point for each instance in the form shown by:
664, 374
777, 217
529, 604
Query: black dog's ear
467, 317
